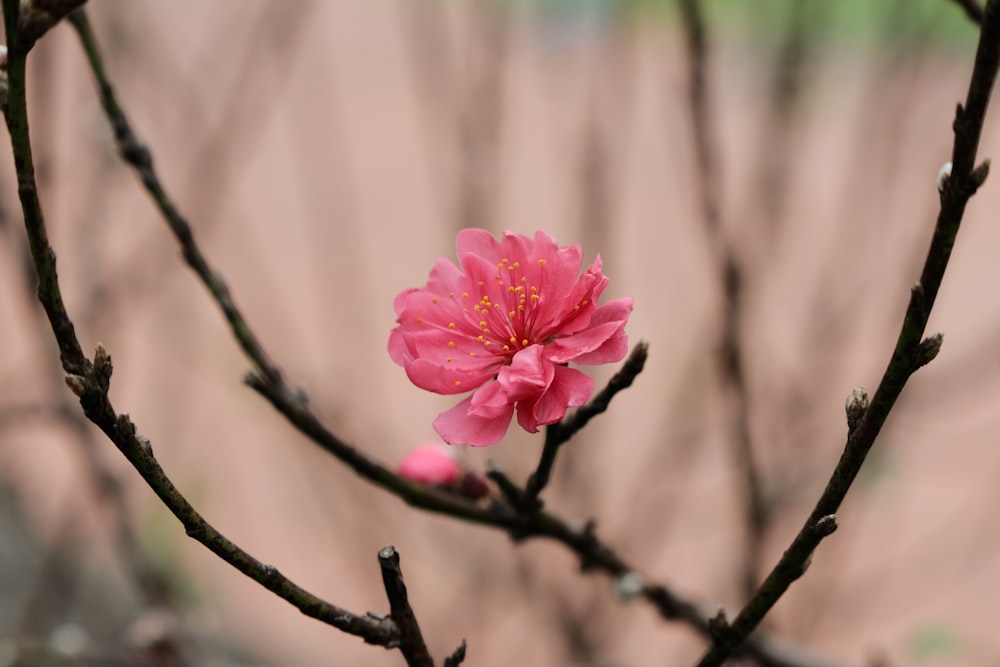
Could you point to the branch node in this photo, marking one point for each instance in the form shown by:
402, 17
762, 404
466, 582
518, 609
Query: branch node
77, 384
102, 367
629, 586
826, 525
718, 625
128, 431
928, 350
856, 406
514, 494
978, 176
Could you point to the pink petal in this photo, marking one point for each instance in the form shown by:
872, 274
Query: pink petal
445, 278
528, 375
445, 380
490, 402
571, 312
449, 349
616, 347
604, 341
398, 349
421, 309
400, 299
569, 387
477, 242
457, 426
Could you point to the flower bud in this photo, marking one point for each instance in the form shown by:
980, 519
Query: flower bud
430, 464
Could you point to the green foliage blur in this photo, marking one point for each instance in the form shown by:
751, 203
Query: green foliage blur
848, 23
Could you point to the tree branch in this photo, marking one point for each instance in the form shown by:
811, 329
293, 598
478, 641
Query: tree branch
729, 355
594, 555
910, 353
90, 380
411, 641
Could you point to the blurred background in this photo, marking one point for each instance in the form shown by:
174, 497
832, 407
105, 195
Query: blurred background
326, 152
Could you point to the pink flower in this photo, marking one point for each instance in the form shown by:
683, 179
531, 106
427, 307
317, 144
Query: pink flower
431, 465
505, 324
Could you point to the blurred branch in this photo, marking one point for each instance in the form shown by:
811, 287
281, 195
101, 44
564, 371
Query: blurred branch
972, 9
731, 364
481, 118
911, 352
90, 381
138, 155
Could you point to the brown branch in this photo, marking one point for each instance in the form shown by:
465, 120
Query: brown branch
411, 641
911, 351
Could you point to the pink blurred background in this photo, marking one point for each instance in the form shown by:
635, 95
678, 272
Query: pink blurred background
326, 153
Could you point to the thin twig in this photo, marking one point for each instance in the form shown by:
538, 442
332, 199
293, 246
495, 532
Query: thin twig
91, 380
559, 433
411, 641
138, 155
456, 658
911, 350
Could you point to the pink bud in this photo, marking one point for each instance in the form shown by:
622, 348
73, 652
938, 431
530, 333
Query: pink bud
430, 464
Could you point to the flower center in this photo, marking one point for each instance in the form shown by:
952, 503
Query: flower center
505, 319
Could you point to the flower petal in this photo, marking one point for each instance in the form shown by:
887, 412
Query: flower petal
569, 388
444, 380
490, 401
528, 375
457, 426
604, 341
615, 347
